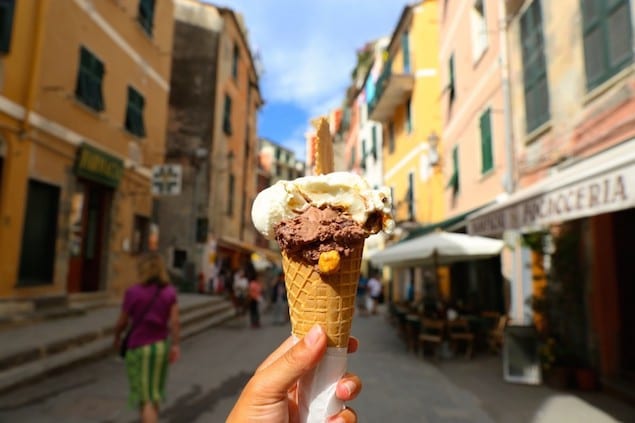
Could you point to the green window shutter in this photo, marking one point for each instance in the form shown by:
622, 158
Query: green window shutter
451, 79
455, 178
373, 150
391, 137
411, 196
487, 160
227, 115
88, 88
235, 62
7, 8
134, 113
409, 116
405, 49
535, 84
146, 15
607, 33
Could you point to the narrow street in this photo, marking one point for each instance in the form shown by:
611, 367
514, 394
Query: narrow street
398, 386
216, 364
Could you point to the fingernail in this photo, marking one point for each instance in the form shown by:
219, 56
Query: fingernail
349, 386
311, 338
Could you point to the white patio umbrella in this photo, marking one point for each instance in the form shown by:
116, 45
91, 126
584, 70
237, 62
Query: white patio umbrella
437, 248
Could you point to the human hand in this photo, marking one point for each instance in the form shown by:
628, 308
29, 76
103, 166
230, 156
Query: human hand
271, 394
175, 353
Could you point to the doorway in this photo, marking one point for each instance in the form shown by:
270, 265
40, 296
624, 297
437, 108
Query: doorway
623, 229
89, 221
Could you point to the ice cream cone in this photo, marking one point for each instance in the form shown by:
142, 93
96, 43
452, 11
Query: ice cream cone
325, 299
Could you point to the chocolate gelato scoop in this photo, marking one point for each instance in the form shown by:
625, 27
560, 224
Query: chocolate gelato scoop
319, 230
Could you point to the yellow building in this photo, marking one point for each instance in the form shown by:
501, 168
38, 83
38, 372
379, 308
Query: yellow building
405, 99
83, 105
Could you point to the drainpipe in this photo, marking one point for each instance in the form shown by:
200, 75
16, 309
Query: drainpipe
34, 78
510, 180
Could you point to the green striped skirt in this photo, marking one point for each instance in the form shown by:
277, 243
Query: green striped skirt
147, 368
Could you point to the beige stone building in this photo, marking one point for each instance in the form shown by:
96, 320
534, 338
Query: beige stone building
83, 107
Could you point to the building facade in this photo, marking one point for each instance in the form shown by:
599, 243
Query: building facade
212, 129
82, 117
571, 66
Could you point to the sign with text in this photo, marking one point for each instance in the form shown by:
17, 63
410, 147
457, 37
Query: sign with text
166, 179
608, 192
98, 166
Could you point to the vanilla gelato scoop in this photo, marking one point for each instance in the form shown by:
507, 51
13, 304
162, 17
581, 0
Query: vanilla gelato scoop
340, 190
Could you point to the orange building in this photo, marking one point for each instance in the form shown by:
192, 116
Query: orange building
83, 105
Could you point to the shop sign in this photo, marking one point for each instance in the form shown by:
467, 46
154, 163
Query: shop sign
98, 166
605, 193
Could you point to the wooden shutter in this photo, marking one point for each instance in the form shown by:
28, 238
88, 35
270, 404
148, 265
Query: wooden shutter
405, 50
7, 8
487, 162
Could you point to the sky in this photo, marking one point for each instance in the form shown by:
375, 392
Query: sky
308, 49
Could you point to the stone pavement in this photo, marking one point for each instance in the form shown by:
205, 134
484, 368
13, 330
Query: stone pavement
203, 386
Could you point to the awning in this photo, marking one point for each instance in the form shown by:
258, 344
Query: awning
438, 248
599, 184
234, 243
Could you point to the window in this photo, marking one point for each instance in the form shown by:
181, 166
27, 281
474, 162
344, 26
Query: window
89, 80
409, 116
411, 196
140, 234
227, 115
134, 113
6, 24
405, 50
534, 68
391, 137
607, 32
230, 190
179, 258
146, 15
373, 148
37, 256
478, 22
487, 160
451, 79
235, 62
454, 179
202, 226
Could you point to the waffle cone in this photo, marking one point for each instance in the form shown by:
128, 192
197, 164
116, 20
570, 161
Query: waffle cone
325, 299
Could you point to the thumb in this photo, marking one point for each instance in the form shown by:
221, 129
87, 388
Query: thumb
283, 373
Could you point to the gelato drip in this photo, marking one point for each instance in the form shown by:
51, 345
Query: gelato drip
318, 230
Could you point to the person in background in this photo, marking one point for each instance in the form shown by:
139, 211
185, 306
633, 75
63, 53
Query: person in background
255, 297
239, 290
374, 289
362, 293
151, 309
279, 301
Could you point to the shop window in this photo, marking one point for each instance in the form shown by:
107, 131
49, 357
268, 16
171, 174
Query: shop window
478, 23
7, 8
608, 39
140, 234
134, 113
227, 115
487, 159
179, 257
89, 80
146, 15
535, 84
37, 255
235, 60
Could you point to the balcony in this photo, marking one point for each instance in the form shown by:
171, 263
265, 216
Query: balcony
392, 90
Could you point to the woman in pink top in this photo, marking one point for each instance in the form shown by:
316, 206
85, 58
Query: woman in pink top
152, 311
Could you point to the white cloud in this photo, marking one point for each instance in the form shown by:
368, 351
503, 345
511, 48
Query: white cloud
308, 47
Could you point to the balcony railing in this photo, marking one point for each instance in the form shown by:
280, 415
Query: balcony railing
391, 90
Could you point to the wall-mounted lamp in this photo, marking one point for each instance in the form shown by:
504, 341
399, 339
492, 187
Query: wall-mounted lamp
433, 143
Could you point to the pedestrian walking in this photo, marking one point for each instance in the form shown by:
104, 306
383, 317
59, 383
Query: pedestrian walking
255, 298
374, 289
279, 301
239, 289
151, 312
